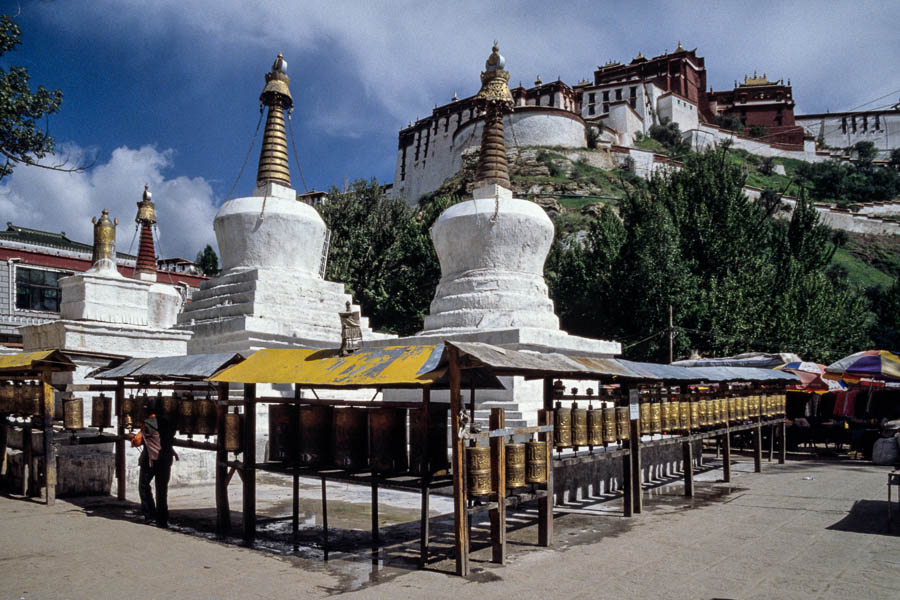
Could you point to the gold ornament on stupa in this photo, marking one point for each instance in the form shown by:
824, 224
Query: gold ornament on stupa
104, 238
273, 159
146, 209
495, 80
496, 100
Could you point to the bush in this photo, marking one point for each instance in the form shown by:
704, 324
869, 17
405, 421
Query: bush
766, 165
731, 123
668, 134
757, 131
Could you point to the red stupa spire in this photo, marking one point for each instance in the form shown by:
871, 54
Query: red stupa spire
146, 218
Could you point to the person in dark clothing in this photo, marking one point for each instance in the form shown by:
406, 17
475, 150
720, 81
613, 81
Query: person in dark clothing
156, 436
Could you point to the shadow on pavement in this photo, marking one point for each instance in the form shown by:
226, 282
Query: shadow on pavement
869, 516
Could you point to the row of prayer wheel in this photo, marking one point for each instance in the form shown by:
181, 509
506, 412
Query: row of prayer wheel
589, 426
525, 464
21, 399
357, 438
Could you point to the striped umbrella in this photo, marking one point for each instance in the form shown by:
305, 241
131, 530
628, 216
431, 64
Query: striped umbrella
811, 377
879, 365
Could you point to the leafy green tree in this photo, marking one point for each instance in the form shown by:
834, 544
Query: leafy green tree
668, 133
23, 140
730, 122
757, 131
208, 261
866, 153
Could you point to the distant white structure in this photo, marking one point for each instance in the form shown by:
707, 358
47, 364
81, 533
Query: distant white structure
845, 129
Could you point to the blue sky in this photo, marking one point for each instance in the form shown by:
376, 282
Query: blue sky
166, 92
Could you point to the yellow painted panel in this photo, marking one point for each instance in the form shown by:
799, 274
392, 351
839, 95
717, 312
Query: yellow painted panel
22, 360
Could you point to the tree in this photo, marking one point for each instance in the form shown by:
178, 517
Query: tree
866, 153
730, 122
669, 135
757, 131
208, 261
22, 139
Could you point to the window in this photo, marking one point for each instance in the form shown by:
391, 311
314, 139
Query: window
853, 123
37, 289
605, 107
844, 125
619, 94
590, 109
591, 98
865, 122
877, 122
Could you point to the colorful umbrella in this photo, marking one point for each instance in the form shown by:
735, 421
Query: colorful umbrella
810, 375
880, 365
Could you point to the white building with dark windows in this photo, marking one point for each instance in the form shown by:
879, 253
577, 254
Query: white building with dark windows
845, 129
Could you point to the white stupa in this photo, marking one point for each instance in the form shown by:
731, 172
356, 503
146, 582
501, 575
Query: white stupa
271, 292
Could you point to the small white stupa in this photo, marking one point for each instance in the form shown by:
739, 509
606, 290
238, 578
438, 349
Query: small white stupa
271, 292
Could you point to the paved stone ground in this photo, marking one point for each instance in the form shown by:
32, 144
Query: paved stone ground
807, 529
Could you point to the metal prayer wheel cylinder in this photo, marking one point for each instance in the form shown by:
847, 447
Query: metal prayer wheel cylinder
645, 418
478, 467
388, 430
205, 421
7, 399
350, 439
185, 418
622, 422
743, 407
579, 426
101, 411
609, 425
283, 425
684, 415
782, 404
128, 411
667, 409
695, 413
315, 427
37, 405
169, 406
732, 409
232, 428
595, 427
73, 413
428, 447
515, 465
703, 416
536, 461
755, 406
563, 426
655, 417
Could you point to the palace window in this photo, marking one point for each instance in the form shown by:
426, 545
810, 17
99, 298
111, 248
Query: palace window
605, 107
865, 122
853, 123
590, 109
877, 122
844, 125
619, 94
38, 289
606, 96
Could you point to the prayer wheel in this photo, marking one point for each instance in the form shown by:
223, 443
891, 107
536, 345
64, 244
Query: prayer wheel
684, 413
101, 411
609, 425
283, 425
536, 461
645, 416
37, 404
695, 404
185, 420
655, 417
428, 446
770, 402
350, 439
782, 409
563, 426
388, 430
579, 426
73, 413
744, 407
169, 406
232, 432
595, 426
755, 408
622, 422
315, 426
128, 412
515, 465
668, 407
7, 398
478, 467
732, 409
205, 421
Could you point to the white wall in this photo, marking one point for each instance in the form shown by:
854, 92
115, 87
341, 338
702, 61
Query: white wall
624, 120
678, 110
830, 127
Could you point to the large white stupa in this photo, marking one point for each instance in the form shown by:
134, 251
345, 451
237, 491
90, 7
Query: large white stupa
271, 292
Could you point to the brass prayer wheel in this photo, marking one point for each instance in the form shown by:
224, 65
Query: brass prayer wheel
563, 426
782, 404
655, 417
283, 424
73, 413
128, 411
536, 461
185, 419
595, 427
428, 446
667, 408
684, 415
695, 413
478, 466
350, 437
609, 425
37, 404
579, 426
101, 411
732, 409
622, 422
645, 417
232, 432
205, 421
515, 465
315, 429
744, 407
169, 406
388, 429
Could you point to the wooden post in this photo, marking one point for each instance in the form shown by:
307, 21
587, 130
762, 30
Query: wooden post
27, 459
771, 441
324, 520
4, 441
423, 426
627, 486
295, 505
782, 456
49, 447
757, 446
687, 456
637, 496
120, 440
726, 455
249, 463
545, 504
223, 511
424, 533
460, 518
374, 513
498, 484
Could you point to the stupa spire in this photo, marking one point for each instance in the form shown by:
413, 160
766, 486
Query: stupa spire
496, 100
146, 218
273, 159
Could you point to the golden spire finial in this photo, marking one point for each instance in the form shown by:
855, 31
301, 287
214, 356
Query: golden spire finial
497, 100
273, 161
146, 209
104, 238
679, 48
639, 56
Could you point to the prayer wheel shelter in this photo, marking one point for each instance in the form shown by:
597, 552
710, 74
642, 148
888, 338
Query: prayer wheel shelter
27, 403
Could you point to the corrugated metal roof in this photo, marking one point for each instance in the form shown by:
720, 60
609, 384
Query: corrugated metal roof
760, 360
53, 360
749, 374
191, 367
516, 362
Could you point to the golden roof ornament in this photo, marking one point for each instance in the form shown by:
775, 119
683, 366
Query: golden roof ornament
640, 56
680, 48
104, 238
277, 90
146, 209
494, 80
273, 161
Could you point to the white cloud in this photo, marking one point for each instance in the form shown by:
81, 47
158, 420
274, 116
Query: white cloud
56, 201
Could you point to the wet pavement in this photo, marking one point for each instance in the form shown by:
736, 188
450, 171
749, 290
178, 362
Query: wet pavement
807, 529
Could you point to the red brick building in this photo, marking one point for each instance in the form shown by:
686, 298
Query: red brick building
762, 103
